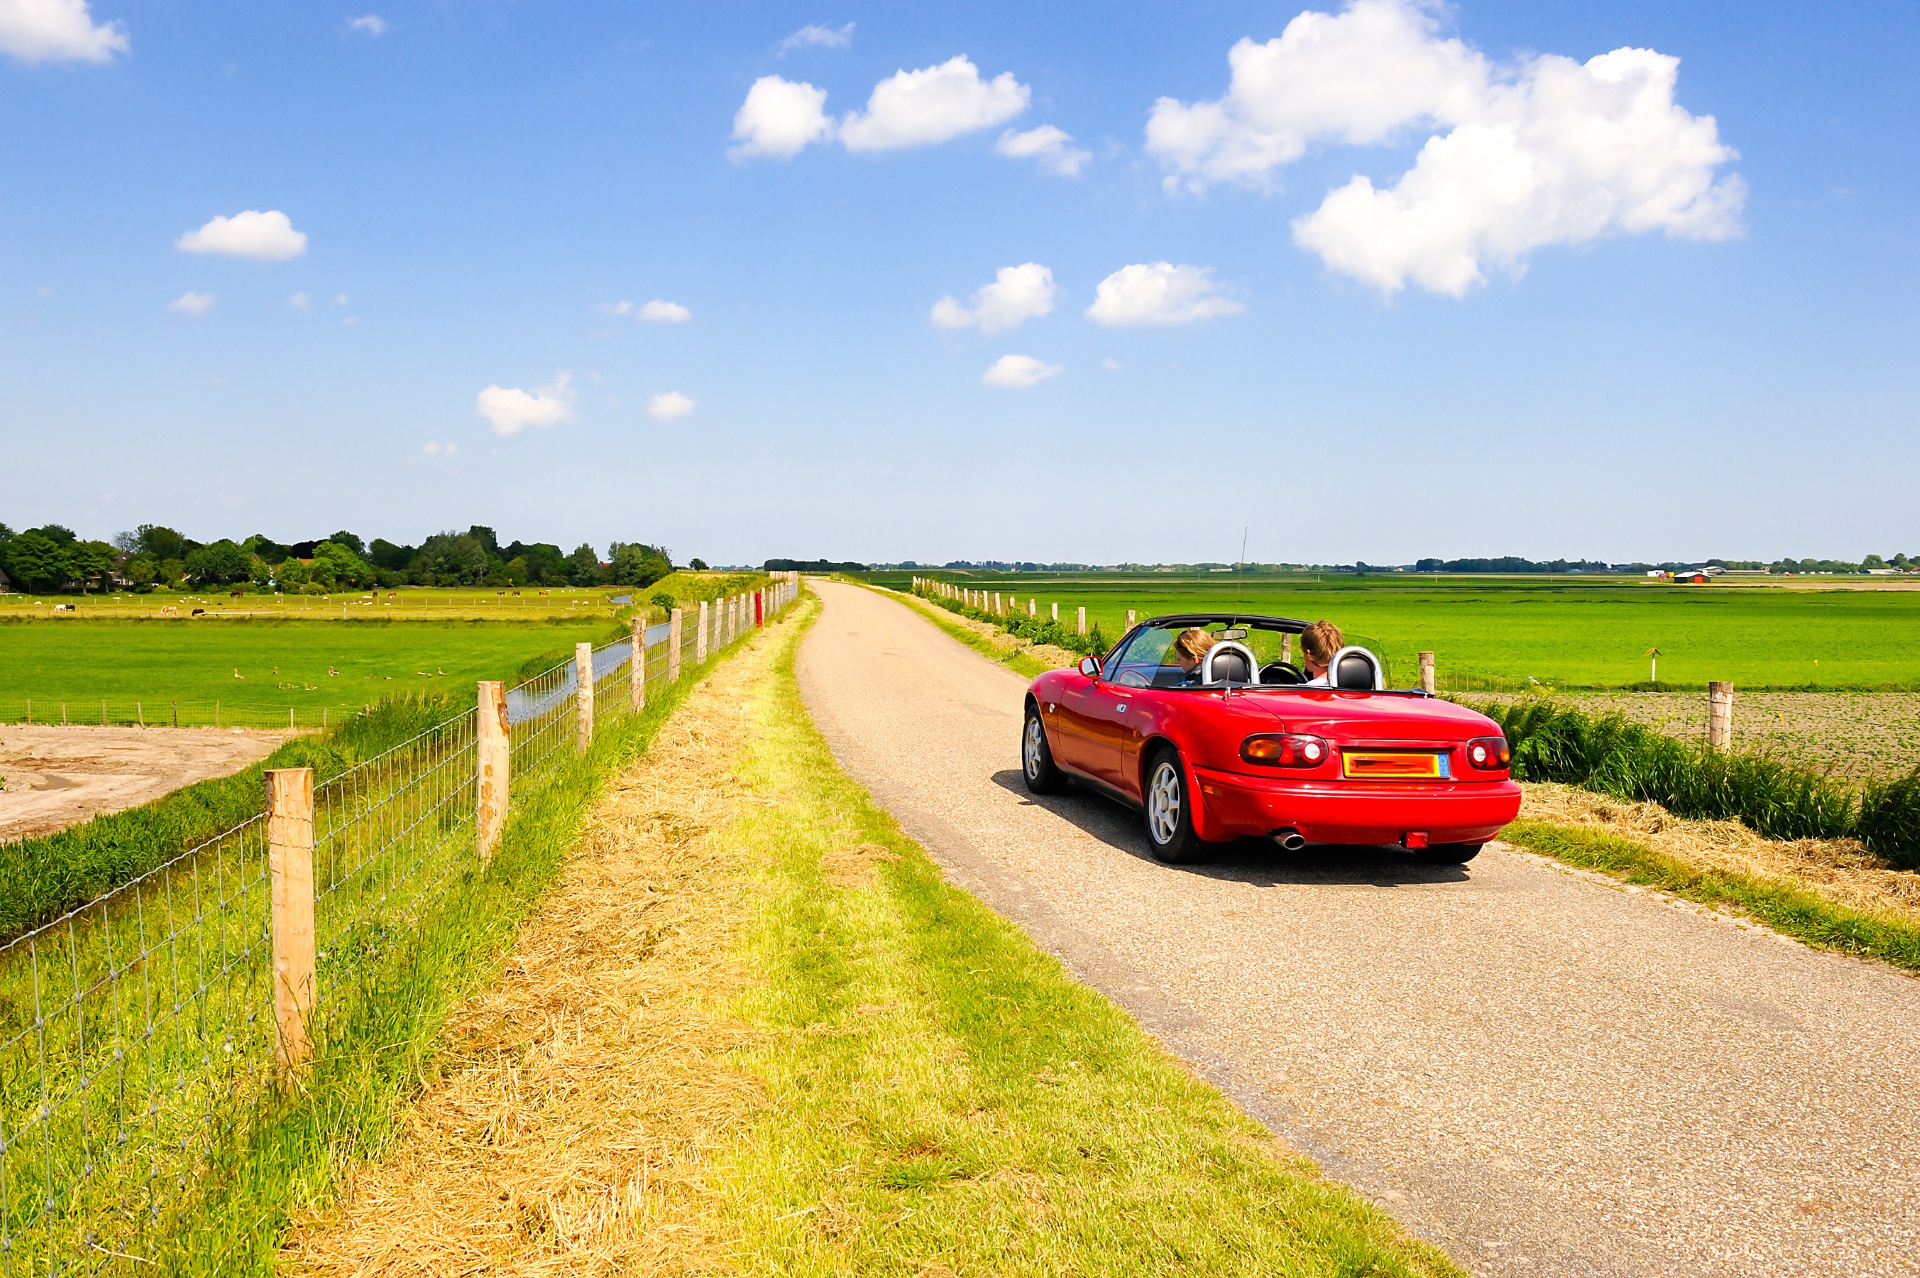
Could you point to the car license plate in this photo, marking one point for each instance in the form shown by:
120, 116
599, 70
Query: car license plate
1398, 765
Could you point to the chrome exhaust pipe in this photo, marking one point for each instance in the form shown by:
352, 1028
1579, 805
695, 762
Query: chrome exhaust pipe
1290, 839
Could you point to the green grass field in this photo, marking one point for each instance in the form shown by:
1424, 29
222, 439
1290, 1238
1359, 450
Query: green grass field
283, 665
1564, 632
119, 650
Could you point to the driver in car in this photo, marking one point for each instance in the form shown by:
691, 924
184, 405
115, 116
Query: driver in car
1189, 650
1318, 643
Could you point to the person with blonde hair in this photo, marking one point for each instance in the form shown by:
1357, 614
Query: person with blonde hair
1318, 643
1190, 649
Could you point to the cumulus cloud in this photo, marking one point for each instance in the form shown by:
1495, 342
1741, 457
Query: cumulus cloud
1544, 151
266, 237
1159, 293
658, 311
779, 118
300, 302
1017, 294
434, 448
57, 31
815, 36
669, 406
1048, 145
192, 303
918, 108
511, 410
372, 24
1015, 371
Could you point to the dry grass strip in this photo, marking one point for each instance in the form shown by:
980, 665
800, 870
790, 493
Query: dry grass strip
1839, 870
581, 1095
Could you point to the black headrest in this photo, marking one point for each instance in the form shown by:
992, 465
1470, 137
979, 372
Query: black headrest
1231, 665
1355, 672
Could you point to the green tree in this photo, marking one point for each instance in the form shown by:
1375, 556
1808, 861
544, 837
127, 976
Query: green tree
637, 565
350, 542
292, 574
386, 554
583, 566
219, 563
698, 565
1873, 561
90, 563
344, 568
36, 561
141, 569
171, 571
451, 559
160, 542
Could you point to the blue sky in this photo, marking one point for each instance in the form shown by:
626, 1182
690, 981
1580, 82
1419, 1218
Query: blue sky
1644, 349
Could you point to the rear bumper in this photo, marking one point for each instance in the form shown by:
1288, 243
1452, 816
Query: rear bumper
1364, 812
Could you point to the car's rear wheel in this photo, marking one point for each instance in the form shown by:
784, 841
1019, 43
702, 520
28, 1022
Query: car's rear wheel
1036, 757
1169, 810
1448, 853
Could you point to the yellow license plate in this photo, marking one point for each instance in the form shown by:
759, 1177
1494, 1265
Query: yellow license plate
1423, 765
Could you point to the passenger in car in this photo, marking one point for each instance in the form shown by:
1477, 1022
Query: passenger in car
1189, 650
1318, 643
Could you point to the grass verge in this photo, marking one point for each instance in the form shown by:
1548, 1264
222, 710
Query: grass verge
941, 1097
290, 1152
1785, 907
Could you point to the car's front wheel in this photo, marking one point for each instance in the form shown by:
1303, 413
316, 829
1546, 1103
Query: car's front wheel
1036, 757
1169, 810
1448, 853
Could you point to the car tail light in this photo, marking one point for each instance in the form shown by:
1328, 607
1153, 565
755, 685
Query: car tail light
1489, 754
1284, 750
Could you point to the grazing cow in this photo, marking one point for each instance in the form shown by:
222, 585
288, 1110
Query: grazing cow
199, 612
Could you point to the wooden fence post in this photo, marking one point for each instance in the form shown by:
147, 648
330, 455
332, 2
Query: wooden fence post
1719, 716
583, 696
637, 664
1056, 610
1426, 673
290, 865
1286, 648
1081, 624
700, 636
673, 645
1130, 619
1033, 608
491, 754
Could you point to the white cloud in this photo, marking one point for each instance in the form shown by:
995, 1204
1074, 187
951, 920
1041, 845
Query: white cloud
511, 410
779, 118
1545, 151
1568, 153
918, 108
622, 307
1017, 294
339, 299
1048, 145
57, 31
669, 406
1159, 293
266, 237
373, 24
815, 36
192, 303
1110, 364
663, 312
1018, 371
300, 302
434, 448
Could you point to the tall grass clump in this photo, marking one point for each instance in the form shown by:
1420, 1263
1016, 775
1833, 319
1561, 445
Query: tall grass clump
1555, 742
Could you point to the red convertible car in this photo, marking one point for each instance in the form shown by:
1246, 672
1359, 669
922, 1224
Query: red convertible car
1245, 745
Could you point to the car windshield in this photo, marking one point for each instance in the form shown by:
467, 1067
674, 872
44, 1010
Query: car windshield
1150, 660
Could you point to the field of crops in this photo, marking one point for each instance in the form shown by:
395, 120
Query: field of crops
1563, 632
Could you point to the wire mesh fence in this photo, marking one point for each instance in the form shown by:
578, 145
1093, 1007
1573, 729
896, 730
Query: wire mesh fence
166, 712
135, 1029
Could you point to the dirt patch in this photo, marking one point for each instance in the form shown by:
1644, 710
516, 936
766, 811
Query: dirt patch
59, 776
1840, 870
580, 1096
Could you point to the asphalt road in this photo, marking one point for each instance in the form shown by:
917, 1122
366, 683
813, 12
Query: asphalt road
1540, 1071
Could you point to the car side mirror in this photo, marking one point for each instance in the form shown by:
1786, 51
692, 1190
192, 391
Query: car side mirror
1090, 667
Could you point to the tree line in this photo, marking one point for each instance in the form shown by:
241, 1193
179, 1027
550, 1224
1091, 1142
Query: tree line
153, 557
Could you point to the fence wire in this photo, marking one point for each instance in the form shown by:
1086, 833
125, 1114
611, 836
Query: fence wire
135, 1029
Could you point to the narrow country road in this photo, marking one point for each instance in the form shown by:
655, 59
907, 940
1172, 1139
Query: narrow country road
1542, 1073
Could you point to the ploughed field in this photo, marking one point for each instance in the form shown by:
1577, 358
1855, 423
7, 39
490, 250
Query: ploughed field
1523, 632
